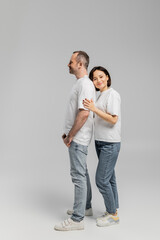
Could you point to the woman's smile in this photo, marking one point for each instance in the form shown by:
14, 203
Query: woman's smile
100, 80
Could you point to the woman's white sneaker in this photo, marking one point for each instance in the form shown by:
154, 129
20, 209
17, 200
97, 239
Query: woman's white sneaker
103, 216
107, 220
69, 225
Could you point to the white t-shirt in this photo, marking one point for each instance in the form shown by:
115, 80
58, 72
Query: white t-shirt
108, 101
83, 88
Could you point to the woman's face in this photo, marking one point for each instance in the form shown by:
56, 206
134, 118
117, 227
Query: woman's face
100, 80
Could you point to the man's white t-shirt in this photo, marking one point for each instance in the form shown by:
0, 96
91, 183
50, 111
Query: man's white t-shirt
109, 101
83, 88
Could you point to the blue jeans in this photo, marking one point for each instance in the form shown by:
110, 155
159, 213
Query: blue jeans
80, 178
105, 176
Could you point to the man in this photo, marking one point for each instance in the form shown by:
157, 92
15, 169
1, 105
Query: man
77, 136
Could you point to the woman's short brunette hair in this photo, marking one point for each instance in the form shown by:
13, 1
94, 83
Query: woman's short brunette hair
103, 70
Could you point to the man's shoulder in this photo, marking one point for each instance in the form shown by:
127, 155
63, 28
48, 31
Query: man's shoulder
85, 81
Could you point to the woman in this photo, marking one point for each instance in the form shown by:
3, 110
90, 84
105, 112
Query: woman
107, 141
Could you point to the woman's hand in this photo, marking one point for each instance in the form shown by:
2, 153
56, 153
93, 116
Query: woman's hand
89, 104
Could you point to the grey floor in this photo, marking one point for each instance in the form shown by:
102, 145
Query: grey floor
35, 197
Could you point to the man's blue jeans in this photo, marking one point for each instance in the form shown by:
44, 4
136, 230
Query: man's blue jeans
80, 178
105, 175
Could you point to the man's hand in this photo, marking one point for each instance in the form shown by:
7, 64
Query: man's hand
64, 136
67, 140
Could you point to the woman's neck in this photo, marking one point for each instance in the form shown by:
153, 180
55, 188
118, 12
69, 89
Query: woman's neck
104, 89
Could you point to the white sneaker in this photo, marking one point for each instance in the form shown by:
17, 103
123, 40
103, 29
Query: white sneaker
69, 225
102, 217
107, 220
88, 212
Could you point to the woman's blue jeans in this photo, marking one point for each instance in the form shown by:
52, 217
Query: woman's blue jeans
105, 175
80, 178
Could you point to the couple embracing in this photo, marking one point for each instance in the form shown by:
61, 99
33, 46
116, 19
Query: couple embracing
83, 109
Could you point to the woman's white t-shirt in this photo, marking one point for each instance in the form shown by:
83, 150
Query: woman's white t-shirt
109, 101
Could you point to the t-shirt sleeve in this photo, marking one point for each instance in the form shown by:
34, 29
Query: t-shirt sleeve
114, 104
85, 91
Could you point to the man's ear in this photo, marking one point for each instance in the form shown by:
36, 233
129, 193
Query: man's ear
80, 64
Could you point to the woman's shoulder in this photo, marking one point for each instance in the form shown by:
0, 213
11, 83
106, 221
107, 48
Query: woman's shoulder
113, 93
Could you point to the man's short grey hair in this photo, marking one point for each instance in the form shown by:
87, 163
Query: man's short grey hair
82, 57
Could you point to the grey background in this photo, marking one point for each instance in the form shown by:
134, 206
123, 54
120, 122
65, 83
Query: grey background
37, 39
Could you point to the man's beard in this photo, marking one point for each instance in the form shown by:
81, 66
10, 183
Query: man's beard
71, 70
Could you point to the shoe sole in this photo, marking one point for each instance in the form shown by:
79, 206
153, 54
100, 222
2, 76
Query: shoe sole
108, 224
60, 229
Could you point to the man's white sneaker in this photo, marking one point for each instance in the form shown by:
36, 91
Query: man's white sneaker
69, 225
88, 212
107, 220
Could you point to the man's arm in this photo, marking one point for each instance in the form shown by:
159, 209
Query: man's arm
80, 120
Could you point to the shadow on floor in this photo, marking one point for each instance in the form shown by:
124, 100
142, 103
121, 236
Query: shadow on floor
51, 202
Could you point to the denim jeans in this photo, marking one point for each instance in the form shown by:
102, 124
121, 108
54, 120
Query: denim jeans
80, 178
105, 175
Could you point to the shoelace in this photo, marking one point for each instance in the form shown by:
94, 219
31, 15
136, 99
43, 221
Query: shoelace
104, 215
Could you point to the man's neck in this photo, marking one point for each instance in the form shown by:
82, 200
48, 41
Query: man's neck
81, 74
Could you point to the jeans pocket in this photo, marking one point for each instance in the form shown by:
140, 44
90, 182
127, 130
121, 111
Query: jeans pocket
79, 147
118, 145
84, 149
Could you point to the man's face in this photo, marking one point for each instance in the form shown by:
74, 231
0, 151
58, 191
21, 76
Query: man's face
73, 65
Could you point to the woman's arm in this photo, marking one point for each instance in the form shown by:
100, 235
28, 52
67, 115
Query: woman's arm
105, 116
